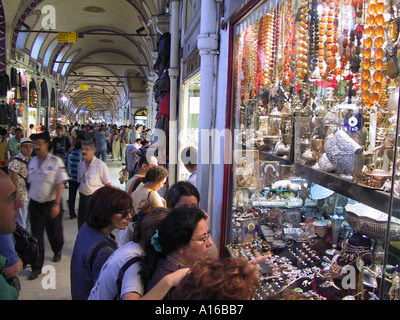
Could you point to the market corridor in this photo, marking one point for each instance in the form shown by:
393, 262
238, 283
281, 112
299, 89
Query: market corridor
42, 288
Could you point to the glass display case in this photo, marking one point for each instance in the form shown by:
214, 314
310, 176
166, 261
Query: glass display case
189, 120
315, 176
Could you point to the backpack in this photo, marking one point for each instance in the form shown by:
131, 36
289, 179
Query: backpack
121, 272
26, 246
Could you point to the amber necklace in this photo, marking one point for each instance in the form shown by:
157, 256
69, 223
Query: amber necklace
302, 65
373, 42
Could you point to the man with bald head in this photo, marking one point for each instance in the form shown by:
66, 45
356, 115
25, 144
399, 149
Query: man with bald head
9, 207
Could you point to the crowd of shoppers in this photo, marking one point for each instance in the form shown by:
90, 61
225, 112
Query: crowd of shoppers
164, 243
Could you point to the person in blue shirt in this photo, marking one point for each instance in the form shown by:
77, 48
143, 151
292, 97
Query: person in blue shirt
100, 140
14, 264
72, 159
109, 208
9, 206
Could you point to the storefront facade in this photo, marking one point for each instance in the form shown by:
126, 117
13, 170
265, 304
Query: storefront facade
303, 81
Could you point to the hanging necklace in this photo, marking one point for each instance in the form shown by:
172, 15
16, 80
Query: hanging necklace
373, 42
313, 33
302, 65
275, 43
287, 66
269, 21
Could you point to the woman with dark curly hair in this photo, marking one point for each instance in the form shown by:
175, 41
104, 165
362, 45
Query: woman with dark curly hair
228, 279
155, 179
185, 194
182, 238
109, 208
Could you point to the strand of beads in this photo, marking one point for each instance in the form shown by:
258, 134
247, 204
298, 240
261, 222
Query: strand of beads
356, 36
313, 32
287, 68
275, 42
268, 47
239, 70
302, 65
321, 40
330, 59
373, 43
261, 61
250, 60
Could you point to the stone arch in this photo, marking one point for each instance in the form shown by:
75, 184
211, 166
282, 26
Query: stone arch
3, 55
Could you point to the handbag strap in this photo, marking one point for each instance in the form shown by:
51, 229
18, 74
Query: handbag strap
95, 251
122, 271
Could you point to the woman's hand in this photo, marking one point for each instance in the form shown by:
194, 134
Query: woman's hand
175, 277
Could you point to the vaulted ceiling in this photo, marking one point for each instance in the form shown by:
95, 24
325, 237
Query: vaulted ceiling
113, 54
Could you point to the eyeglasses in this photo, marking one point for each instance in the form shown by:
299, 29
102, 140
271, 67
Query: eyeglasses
205, 237
126, 212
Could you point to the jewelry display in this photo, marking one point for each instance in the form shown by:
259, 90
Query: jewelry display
336, 227
316, 89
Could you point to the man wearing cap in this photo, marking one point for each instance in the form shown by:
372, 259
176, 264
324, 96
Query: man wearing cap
18, 171
46, 176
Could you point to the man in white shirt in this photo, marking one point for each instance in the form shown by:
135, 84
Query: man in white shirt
93, 174
133, 135
46, 176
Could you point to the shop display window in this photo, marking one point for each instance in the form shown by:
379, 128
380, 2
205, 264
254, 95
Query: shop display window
315, 176
189, 120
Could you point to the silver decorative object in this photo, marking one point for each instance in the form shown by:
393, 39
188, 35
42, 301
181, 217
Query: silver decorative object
373, 223
325, 164
344, 153
336, 227
393, 100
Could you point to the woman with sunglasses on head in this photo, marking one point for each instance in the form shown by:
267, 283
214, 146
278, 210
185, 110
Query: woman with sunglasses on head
120, 276
109, 208
183, 237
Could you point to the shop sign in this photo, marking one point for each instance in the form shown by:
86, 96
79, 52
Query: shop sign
67, 37
191, 64
142, 112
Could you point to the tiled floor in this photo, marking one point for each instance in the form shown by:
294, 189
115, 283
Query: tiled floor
54, 282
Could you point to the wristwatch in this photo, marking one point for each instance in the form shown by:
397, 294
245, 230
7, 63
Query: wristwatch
57, 203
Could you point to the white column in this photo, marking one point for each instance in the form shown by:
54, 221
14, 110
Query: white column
150, 101
207, 43
174, 75
38, 80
